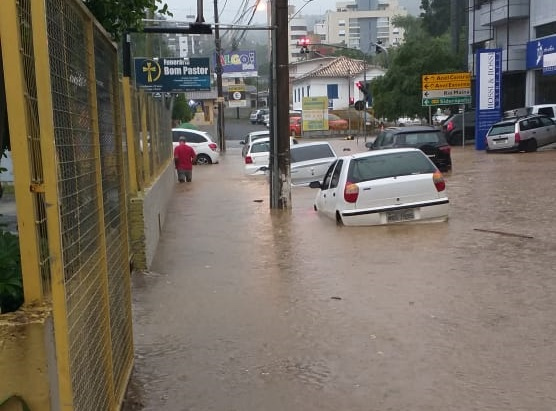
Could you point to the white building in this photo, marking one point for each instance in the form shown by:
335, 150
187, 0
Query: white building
335, 78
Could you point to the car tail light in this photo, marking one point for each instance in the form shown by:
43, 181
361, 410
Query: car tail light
351, 192
517, 136
445, 149
213, 146
438, 180
248, 160
450, 126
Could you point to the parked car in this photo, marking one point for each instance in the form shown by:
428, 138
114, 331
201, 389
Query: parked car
256, 116
206, 149
525, 133
258, 155
548, 110
382, 187
310, 161
428, 139
335, 123
250, 137
453, 128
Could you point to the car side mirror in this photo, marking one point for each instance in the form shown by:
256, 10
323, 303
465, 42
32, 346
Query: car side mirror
369, 145
315, 184
242, 142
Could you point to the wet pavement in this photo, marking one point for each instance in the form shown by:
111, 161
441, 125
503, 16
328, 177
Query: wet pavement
248, 309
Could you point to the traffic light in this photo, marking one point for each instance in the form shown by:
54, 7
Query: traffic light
378, 47
303, 43
365, 88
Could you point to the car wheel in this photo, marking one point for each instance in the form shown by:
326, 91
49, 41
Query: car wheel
531, 145
203, 159
339, 218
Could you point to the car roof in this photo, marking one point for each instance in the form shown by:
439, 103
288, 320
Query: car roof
311, 143
513, 120
412, 129
204, 133
380, 152
259, 132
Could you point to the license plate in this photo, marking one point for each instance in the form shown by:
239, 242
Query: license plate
400, 215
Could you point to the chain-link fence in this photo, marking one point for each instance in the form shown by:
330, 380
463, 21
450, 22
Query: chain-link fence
73, 167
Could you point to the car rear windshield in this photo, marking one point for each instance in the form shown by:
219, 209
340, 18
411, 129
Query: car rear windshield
418, 139
312, 152
389, 165
502, 128
260, 147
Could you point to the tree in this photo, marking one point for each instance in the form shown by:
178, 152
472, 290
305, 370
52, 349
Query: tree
436, 16
181, 113
118, 17
399, 91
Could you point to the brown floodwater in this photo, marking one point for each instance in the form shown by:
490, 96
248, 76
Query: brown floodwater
248, 309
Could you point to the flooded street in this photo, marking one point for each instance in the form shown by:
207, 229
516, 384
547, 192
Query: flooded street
248, 309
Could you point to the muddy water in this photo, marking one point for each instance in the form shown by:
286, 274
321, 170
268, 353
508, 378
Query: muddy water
248, 310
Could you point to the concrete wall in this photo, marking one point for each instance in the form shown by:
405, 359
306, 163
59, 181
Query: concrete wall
147, 215
27, 359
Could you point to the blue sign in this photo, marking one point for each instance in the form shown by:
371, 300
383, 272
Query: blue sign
239, 63
172, 75
488, 90
541, 54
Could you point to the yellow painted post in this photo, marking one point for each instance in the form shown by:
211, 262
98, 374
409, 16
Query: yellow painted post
16, 94
46, 124
103, 265
130, 137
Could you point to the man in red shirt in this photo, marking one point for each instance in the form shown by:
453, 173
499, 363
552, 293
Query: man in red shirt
184, 157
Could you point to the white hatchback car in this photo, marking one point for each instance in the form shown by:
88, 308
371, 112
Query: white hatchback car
250, 137
258, 155
206, 149
310, 161
383, 187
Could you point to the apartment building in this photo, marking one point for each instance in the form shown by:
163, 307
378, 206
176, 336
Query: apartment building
360, 23
525, 31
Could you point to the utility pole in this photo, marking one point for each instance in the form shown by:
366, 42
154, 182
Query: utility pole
280, 178
220, 95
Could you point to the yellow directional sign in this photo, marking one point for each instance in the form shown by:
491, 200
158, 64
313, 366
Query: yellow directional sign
444, 85
465, 76
446, 88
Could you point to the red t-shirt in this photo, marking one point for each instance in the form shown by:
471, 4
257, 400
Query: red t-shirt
185, 155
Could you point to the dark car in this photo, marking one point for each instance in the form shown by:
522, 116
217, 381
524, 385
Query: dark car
453, 128
428, 139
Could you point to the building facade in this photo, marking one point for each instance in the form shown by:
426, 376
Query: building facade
525, 31
361, 23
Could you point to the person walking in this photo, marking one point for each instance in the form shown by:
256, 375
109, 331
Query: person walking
184, 157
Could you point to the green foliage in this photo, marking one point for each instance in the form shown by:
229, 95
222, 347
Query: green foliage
181, 111
11, 280
436, 16
118, 17
399, 91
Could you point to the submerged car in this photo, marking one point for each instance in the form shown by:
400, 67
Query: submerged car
428, 139
206, 149
525, 133
250, 137
310, 161
258, 155
380, 187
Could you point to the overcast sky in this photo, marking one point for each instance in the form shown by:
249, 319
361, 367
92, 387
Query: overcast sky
230, 9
